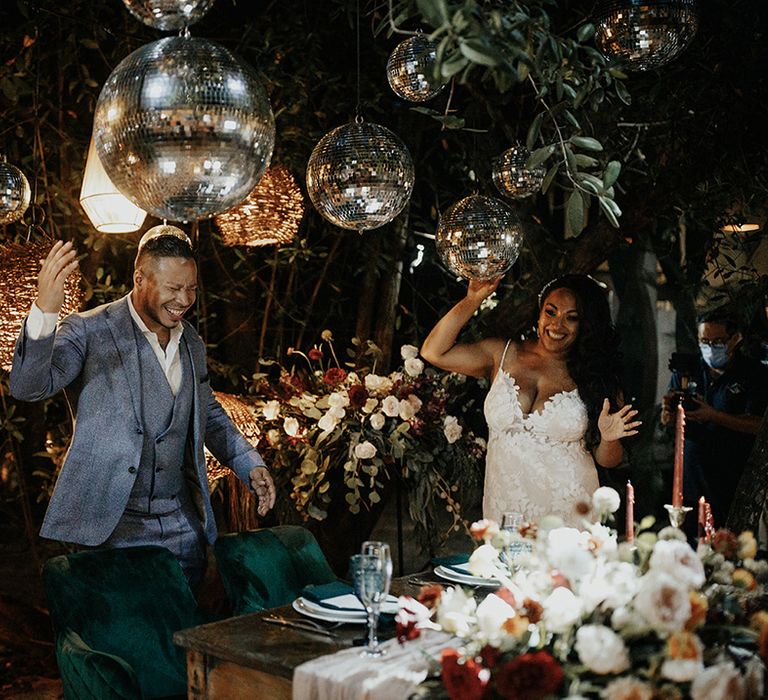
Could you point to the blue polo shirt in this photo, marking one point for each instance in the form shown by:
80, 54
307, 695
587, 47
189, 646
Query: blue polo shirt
714, 455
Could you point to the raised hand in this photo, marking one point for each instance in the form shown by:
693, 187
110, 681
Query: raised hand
264, 488
614, 426
59, 264
479, 290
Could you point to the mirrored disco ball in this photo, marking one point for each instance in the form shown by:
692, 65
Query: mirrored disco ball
360, 176
512, 178
14, 193
183, 128
479, 237
411, 69
646, 33
168, 15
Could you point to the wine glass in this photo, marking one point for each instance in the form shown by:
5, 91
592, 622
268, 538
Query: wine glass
372, 574
511, 522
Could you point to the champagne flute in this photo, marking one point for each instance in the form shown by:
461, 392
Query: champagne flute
511, 522
371, 583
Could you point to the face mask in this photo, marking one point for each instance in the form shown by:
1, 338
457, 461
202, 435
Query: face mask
716, 356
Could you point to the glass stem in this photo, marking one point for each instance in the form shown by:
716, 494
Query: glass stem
373, 622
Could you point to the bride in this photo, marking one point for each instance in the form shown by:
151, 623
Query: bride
554, 408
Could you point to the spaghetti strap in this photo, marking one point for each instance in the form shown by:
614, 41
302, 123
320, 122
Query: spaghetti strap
503, 355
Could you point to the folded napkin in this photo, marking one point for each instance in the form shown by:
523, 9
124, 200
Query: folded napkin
451, 560
338, 595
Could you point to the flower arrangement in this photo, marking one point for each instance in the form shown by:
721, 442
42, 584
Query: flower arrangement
324, 425
584, 616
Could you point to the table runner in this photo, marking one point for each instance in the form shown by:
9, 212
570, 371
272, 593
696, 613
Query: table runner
346, 675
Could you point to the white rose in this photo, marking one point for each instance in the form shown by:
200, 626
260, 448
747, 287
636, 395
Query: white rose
337, 412
601, 650
409, 352
604, 538
271, 410
352, 378
365, 450
452, 429
565, 551
663, 601
456, 611
291, 427
376, 384
338, 400
273, 437
685, 669
628, 621
719, 682
416, 402
406, 410
562, 610
613, 585
605, 500
625, 688
370, 404
413, 367
328, 422
377, 421
491, 614
484, 561
390, 406
679, 561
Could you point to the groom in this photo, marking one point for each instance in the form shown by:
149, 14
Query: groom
135, 472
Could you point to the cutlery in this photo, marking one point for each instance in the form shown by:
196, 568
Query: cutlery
303, 625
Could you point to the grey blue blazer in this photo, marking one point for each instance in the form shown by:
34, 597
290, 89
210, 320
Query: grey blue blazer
94, 356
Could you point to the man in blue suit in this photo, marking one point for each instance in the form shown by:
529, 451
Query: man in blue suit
136, 372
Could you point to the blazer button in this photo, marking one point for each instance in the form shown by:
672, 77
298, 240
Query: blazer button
131, 470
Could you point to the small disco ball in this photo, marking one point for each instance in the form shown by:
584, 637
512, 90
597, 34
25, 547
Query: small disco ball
164, 230
411, 69
647, 33
183, 128
512, 178
14, 193
360, 176
479, 237
168, 15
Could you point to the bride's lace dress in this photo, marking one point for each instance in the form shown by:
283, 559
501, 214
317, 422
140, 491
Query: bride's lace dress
537, 463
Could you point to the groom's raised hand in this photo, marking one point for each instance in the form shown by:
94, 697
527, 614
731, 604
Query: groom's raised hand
59, 264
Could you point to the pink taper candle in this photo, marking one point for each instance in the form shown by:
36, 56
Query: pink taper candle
702, 519
677, 478
630, 523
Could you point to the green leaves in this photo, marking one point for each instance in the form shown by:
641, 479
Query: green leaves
587, 143
575, 214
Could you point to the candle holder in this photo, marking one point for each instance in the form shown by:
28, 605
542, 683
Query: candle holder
677, 515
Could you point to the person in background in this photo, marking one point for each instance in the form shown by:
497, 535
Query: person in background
136, 374
723, 414
554, 408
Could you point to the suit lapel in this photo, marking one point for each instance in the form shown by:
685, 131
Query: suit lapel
120, 324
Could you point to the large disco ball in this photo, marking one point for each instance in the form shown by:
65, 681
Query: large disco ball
183, 128
411, 69
360, 176
168, 15
512, 178
647, 33
479, 237
14, 193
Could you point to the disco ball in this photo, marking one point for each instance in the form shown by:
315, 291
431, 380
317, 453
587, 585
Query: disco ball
512, 178
168, 15
646, 33
183, 128
360, 176
479, 237
411, 69
14, 193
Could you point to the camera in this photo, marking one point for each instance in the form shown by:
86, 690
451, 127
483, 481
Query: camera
686, 365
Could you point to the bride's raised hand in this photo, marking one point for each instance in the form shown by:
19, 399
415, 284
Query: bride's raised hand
614, 426
480, 290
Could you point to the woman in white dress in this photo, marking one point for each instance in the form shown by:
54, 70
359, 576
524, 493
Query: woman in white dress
554, 408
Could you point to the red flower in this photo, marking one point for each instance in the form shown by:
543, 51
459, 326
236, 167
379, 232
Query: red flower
529, 677
358, 395
315, 354
507, 596
334, 376
726, 543
490, 656
406, 629
463, 680
533, 610
429, 595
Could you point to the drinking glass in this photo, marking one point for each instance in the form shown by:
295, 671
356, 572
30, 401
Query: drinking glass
371, 574
515, 545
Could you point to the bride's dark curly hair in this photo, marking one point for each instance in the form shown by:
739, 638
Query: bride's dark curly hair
594, 359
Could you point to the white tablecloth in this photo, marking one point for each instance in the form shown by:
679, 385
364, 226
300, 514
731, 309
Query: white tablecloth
346, 675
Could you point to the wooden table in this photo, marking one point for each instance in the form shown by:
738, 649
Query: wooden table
245, 657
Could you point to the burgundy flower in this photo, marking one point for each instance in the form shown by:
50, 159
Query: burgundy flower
726, 543
334, 376
533, 610
429, 595
417, 427
406, 631
529, 677
315, 354
358, 395
463, 680
490, 656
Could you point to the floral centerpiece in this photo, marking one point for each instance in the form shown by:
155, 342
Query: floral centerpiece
584, 616
325, 425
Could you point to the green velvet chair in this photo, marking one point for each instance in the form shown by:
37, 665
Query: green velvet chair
267, 568
114, 612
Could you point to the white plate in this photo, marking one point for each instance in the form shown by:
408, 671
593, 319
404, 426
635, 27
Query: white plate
467, 579
301, 605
